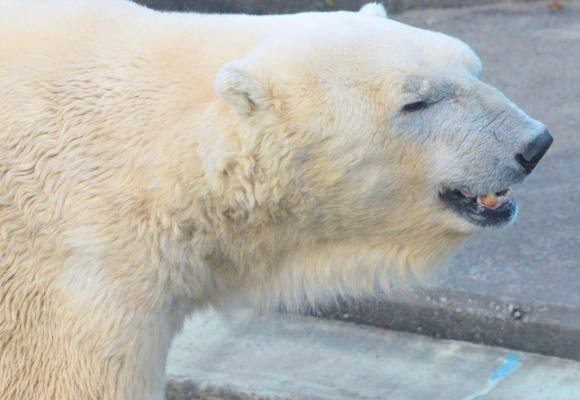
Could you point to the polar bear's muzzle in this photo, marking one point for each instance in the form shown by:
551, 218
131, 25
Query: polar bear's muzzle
499, 208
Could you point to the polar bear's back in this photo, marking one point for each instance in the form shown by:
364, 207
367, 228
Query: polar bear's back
34, 26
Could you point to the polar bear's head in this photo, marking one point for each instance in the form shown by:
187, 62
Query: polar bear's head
378, 139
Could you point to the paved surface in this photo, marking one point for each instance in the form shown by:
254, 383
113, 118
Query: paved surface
517, 288
285, 6
277, 357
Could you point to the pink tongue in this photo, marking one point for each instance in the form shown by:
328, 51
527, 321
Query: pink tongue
493, 201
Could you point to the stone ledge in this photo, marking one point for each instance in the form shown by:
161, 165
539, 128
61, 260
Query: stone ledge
184, 388
283, 6
546, 329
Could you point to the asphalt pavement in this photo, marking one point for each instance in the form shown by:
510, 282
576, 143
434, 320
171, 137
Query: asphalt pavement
516, 288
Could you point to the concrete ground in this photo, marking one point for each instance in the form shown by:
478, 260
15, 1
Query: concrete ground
285, 6
277, 357
516, 288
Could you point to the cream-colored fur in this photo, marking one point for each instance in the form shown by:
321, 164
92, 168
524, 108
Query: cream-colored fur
156, 163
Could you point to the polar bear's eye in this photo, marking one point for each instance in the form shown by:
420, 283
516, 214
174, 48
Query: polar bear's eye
418, 105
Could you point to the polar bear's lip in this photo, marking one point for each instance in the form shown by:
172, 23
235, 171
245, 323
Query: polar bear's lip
492, 209
491, 200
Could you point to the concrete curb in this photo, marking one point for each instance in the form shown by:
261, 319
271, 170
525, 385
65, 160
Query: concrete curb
186, 388
546, 329
549, 330
283, 6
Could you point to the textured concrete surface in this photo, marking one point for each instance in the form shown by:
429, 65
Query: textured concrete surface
277, 357
455, 314
284, 6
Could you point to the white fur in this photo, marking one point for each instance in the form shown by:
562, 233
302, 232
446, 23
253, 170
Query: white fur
376, 9
156, 163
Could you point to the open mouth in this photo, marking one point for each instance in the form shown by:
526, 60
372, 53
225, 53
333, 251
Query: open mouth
491, 209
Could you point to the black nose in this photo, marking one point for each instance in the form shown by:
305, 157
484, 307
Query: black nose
535, 151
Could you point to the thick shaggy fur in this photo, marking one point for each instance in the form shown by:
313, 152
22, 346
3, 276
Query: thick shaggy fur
154, 163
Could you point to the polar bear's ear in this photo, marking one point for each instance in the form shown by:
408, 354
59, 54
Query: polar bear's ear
244, 84
376, 9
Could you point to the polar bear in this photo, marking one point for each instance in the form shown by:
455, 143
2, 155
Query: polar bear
153, 164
